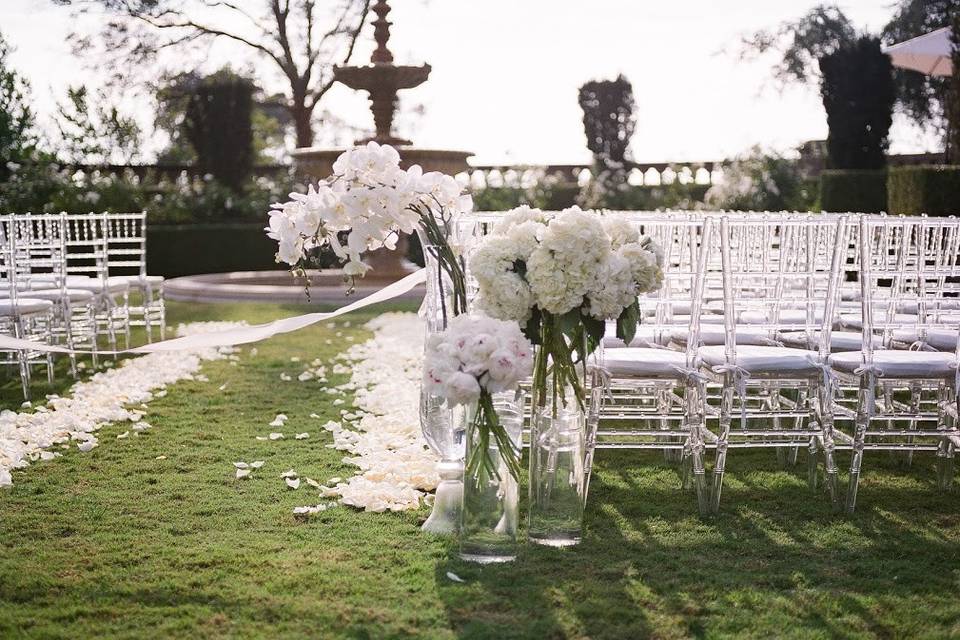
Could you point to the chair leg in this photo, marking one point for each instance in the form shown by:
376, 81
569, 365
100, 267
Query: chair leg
812, 464
945, 450
865, 402
148, 311
726, 410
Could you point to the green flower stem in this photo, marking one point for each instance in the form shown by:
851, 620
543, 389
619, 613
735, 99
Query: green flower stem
486, 425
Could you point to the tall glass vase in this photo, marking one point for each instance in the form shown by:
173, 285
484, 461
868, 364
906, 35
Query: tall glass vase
488, 520
442, 425
557, 474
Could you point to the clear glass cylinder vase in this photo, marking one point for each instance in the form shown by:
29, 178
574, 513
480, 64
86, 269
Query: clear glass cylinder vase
441, 424
490, 512
557, 473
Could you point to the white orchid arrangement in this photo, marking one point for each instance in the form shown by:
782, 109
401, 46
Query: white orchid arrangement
371, 201
561, 277
475, 357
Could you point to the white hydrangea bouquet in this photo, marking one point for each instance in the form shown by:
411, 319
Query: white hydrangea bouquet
370, 200
475, 357
561, 277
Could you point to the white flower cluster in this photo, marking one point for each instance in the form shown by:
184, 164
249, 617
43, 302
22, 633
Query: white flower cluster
476, 352
368, 197
562, 262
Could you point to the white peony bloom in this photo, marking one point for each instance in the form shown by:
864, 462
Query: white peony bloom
474, 353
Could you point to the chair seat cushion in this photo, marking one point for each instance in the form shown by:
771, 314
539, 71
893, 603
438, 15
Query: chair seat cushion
762, 360
711, 335
939, 339
74, 295
24, 305
839, 340
644, 337
644, 363
684, 320
138, 281
900, 363
855, 321
95, 285
787, 316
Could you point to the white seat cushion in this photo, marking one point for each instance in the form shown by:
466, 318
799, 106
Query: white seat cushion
839, 340
644, 363
787, 316
138, 281
24, 305
855, 321
760, 360
95, 285
684, 320
74, 295
644, 337
900, 363
939, 339
714, 334
930, 305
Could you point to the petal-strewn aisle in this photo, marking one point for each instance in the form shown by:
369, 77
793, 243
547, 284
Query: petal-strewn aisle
115, 395
382, 431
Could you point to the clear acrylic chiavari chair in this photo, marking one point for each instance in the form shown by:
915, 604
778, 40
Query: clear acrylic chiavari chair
41, 273
127, 263
778, 275
903, 400
86, 267
654, 395
21, 316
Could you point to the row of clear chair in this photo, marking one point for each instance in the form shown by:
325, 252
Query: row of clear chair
786, 331
72, 276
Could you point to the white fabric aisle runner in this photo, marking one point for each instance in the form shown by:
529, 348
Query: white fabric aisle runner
241, 335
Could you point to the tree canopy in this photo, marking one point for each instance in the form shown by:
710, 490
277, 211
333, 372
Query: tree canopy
301, 39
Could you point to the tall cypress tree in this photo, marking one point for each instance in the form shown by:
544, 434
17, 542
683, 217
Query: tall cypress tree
218, 124
858, 94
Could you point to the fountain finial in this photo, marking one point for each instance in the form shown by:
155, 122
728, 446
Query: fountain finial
381, 33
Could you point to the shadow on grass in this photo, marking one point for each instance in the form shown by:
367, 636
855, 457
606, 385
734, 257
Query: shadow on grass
776, 560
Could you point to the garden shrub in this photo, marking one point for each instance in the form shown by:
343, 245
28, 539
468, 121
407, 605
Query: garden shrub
930, 189
862, 191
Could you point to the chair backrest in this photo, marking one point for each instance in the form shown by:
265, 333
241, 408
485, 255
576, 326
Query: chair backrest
86, 245
126, 236
781, 274
909, 276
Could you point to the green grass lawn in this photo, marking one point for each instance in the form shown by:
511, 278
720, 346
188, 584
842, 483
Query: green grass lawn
115, 543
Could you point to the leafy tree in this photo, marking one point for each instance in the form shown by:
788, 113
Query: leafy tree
270, 119
95, 133
218, 125
858, 95
800, 43
608, 123
302, 40
17, 139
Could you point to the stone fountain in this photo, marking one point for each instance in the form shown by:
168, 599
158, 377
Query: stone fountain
382, 79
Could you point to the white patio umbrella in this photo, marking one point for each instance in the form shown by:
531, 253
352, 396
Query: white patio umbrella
929, 53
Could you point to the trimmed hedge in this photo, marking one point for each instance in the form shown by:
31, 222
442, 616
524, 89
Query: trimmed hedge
189, 249
930, 189
856, 190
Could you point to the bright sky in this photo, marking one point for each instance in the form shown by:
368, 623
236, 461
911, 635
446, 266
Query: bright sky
506, 73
